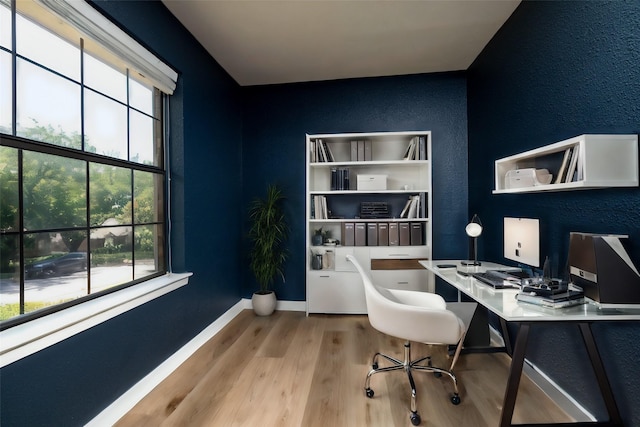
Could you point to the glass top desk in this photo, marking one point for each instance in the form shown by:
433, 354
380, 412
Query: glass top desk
503, 303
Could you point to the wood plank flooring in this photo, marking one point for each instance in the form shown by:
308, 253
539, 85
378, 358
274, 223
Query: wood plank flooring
292, 370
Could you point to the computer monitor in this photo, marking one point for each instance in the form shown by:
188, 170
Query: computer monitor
522, 240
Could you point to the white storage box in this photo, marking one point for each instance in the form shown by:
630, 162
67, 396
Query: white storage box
372, 182
530, 177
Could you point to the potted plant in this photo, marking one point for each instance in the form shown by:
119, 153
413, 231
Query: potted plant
268, 234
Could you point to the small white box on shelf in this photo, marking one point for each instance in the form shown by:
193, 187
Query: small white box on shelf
372, 182
528, 177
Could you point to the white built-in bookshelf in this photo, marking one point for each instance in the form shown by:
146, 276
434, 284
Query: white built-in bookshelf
582, 162
370, 193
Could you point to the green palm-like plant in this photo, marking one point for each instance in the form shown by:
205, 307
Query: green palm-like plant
268, 234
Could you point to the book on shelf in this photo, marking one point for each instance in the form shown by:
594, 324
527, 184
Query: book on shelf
361, 234
563, 167
361, 150
423, 148
368, 154
329, 153
339, 179
404, 233
319, 207
411, 208
372, 234
394, 237
414, 208
580, 171
405, 210
410, 151
383, 234
322, 152
354, 151
571, 170
348, 234
416, 150
416, 234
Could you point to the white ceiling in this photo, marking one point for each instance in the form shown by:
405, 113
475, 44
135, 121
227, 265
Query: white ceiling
267, 42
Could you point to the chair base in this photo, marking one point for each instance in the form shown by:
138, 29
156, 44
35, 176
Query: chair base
408, 366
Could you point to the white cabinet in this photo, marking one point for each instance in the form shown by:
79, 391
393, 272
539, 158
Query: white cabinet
370, 195
335, 292
583, 162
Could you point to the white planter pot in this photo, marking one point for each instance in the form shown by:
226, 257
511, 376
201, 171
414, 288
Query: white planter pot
263, 304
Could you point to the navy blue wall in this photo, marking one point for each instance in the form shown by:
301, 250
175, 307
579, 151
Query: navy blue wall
276, 119
69, 383
556, 70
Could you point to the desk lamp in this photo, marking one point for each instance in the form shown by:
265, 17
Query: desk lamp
473, 230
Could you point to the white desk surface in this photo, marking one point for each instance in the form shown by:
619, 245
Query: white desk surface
503, 302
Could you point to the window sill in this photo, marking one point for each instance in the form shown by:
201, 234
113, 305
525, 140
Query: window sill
23, 340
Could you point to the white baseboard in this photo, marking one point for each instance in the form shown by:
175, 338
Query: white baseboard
557, 394
116, 410
548, 386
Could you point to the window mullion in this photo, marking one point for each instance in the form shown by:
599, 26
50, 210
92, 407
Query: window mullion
14, 111
21, 231
88, 223
82, 94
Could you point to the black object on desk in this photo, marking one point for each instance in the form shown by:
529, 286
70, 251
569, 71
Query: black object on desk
499, 279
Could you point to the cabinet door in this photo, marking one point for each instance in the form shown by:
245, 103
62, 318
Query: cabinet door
412, 280
331, 292
361, 254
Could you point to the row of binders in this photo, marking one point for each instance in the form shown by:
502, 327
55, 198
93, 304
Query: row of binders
382, 234
415, 207
339, 179
571, 170
361, 150
416, 150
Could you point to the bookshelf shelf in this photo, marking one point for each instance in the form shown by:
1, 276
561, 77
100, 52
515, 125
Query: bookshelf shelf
401, 164
582, 162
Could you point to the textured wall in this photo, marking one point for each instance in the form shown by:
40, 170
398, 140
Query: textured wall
556, 70
69, 383
276, 119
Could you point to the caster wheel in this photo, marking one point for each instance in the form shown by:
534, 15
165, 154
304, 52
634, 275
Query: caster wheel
415, 418
437, 374
374, 366
369, 393
455, 399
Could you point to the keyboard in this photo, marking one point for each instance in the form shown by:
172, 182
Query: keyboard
498, 279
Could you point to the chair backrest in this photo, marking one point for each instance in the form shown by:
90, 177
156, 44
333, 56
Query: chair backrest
410, 315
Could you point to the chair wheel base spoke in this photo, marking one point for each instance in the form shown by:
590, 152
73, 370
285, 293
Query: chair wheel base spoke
369, 393
415, 418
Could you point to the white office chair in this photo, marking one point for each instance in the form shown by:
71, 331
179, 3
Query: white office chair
413, 316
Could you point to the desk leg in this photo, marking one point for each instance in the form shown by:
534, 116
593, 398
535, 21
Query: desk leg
515, 372
505, 337
598, 369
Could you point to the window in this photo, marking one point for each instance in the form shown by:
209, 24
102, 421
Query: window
82, 176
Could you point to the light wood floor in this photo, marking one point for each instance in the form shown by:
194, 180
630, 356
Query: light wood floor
293, 370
